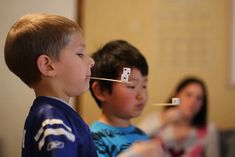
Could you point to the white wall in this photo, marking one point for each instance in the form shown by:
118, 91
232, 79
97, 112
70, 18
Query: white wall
15, 97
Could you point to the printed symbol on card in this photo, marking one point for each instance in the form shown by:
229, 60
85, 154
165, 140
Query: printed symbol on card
125, 75
175, 101
126, 71
55, 145
124, 78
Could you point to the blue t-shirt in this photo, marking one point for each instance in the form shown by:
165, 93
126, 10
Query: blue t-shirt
54, 129
110, 141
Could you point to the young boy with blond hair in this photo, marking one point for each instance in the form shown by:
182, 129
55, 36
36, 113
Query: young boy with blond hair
47, 52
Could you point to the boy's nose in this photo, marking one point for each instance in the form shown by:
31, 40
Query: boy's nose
140, 96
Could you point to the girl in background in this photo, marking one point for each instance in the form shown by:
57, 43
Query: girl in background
184, 130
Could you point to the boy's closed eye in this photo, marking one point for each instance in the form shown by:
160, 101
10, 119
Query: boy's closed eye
80, 51
134, 85
144, 86
131, 86
80, 54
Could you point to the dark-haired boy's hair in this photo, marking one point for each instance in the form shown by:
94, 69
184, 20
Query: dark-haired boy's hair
110, 61
200, 119
34, 35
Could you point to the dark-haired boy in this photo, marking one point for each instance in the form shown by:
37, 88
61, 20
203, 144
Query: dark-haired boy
114, 133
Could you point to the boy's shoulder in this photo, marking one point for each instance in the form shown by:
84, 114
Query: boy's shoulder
108, 134
101, 127
53, 121
43, 103
49, 108
52, 111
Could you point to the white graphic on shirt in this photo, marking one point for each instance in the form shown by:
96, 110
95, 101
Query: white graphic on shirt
50, 122
55, 145
53, 131
59, 131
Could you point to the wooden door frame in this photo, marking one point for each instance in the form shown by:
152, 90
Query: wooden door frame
79, 20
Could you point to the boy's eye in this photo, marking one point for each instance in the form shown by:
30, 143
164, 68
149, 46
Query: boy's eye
131, 86
80, 54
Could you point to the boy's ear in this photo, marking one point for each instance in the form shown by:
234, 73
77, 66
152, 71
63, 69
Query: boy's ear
99, 94
45, 66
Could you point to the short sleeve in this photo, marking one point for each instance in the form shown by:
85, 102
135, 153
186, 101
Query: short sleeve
53, 135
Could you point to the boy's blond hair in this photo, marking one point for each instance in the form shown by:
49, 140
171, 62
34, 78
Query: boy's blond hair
34, 35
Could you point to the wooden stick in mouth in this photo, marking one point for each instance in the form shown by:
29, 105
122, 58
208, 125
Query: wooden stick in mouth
106, 79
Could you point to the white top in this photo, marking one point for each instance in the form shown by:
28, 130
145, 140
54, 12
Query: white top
151, 125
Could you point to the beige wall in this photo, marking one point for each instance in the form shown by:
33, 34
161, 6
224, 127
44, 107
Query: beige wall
198, 34
15, 97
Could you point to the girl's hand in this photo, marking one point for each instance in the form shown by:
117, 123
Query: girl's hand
171, 115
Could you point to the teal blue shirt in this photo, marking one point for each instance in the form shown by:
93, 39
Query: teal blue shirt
110, 141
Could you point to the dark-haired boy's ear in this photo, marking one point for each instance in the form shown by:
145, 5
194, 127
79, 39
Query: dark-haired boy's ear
44, 64
99, 94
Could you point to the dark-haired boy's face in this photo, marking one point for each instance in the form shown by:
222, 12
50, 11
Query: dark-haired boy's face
127, 101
